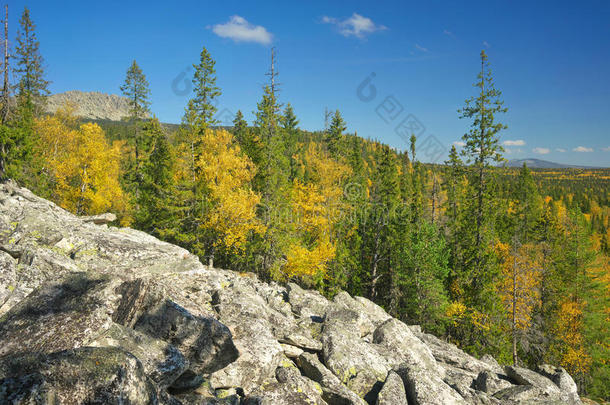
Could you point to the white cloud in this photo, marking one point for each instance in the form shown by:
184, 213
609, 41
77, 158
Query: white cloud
561, 150
518, 142
582, 149
448, 33
421, 48
606, 149
240, 30
486, 44
541, 151
459, 143
356, 25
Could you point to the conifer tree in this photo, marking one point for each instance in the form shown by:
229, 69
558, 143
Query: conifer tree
240, 126
135, 89
32, 88
453, 185
18, 138
289, 119
271, 181
154, 213
202, 107
527, 205
481, 150
378, 233
335, 134
290, 131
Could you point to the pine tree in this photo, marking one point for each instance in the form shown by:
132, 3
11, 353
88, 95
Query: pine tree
32, 88
335, 134
481, 150
272, 171
453, 186
240, 126
289, 119
384, 199
482, 147
290, 131
154, 214
202, 107
135, 88
527, 205
423, 269
18, 139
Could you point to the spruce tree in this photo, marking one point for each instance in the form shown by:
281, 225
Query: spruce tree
271, 182
240, 126
482, 146
154, 214
290, 131
32, 88
335, 134
453, 186
482, 149
202, 107
527, 206
289, 119
136, 90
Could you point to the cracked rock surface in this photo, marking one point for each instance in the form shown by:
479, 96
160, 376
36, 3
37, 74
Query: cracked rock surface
91, 313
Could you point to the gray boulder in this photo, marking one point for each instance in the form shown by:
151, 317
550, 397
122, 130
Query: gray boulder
393, 391
563, 380
83, 375
358, 364
333, 391
289, 388
490, 382
523, 376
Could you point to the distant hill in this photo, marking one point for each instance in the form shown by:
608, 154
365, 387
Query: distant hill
543, 164
91, 105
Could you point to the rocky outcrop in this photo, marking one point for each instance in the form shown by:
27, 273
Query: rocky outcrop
90, 313
91, 104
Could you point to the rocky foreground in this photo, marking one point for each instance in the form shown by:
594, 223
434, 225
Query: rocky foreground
100, 315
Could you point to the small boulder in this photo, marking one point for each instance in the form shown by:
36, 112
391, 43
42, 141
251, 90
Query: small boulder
333, 391
490, 382
563, 380
393, 391
523, 376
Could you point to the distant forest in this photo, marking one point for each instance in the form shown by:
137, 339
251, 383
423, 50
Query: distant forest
510, 262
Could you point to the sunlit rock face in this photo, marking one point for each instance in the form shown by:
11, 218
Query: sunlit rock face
90, 313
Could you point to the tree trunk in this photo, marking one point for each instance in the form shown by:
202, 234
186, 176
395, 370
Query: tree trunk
514, 325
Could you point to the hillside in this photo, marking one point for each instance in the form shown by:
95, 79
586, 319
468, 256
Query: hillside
91, 105
98, 314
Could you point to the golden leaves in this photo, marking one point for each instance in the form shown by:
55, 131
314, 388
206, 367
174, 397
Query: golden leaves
227, 173
83, 167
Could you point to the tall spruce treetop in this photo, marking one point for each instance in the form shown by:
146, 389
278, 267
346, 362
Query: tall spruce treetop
135, 88
482, 148
335, 132
289, 119
31, 87
201, 107
239, 123
482, 145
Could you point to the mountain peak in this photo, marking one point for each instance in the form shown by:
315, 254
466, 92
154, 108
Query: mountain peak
91, 104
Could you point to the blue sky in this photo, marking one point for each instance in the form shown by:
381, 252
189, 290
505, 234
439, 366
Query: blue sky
551, 60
